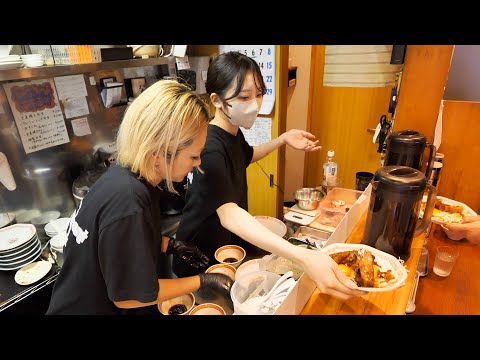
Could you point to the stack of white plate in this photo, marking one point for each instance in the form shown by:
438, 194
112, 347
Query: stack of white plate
57, 226
33, 60
10, 62
19, 246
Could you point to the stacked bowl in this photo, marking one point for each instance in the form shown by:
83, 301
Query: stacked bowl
57, 244
8, 62
57, 226
33, 60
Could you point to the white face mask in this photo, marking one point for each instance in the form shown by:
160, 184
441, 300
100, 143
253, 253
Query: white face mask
243, 113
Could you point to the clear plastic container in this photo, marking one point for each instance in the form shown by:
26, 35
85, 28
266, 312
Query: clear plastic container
329, 218
254, 284
339, 200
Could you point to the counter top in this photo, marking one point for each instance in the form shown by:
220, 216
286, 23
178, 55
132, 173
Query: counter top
457, 294
380, 303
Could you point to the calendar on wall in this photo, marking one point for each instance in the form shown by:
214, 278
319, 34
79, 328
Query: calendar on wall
264, 55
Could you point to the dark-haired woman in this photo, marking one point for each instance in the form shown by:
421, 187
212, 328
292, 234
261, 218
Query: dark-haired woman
216, 210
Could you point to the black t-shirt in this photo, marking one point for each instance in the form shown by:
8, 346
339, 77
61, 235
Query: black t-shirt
112, 249
225, 159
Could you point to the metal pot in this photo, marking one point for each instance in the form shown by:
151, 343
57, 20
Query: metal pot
81, 186
308, 198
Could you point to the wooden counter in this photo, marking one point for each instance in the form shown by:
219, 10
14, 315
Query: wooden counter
457, 294
381, 303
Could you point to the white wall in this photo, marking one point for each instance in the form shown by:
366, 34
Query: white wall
297, 108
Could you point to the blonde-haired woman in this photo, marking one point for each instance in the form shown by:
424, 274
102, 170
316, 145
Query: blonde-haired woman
114, 238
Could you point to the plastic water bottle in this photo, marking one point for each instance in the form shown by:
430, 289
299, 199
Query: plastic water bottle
330, 170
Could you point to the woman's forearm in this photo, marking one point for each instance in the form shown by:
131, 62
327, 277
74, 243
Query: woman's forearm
260, 151
241, 223
169, 288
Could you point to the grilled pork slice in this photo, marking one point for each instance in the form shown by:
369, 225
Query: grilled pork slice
345, 257
365, 264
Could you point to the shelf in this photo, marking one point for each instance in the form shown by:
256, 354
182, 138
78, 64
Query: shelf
60, 70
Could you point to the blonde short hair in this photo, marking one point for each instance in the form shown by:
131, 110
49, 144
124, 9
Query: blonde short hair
166, 117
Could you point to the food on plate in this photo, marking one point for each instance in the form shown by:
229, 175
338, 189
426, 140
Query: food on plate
361, 267
280, 265
445, 212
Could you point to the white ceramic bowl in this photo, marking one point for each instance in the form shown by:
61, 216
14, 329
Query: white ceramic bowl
31, 56
248, 267
58, 241
188, 300
228, 253
224, 269
273, 224
208, 309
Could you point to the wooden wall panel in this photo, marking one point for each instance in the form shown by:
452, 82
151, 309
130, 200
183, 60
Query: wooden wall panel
421, 90
340, 117
460, 175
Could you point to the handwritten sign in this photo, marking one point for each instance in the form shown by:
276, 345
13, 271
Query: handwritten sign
37, 114
69, 87
75, 107
80, 127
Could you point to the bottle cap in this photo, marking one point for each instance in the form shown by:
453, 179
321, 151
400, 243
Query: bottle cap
331, 153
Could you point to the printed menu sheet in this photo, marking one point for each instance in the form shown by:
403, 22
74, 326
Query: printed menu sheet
37, 114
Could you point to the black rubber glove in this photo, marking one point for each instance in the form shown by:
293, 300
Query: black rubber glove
188, 253
217, 282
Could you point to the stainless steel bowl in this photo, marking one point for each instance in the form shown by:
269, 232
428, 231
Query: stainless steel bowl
308, 198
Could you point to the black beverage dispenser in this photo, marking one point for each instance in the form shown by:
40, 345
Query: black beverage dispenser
406, 148
392, 218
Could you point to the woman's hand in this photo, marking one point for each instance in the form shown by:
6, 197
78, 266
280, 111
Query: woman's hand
469, 229
469, 219
300, 140
327, 275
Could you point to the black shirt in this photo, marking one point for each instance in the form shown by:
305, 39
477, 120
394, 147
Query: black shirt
112, 249
225, 159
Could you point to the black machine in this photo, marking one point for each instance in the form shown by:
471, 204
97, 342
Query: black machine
406, 148
393, 212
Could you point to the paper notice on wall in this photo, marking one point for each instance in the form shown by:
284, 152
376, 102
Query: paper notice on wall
260, 133
80, 127
75, 107
182, 63
37, 114
69, 87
